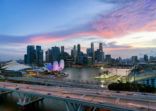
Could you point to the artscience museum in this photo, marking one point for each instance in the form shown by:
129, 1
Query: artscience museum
55, 66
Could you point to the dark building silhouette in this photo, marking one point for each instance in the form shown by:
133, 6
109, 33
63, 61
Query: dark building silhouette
79, 55
99, 54
89, 52
55, 53
49, 56
74, 54
92, 52
25, 59
34, 57
30, 55
39, 56
134, 60
146, 58
101, 47
108, 59
62, 49
78, 49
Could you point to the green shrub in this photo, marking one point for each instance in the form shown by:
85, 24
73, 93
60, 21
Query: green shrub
131, 87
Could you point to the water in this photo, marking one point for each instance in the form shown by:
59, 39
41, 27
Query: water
9, 104
84, 74
88, 74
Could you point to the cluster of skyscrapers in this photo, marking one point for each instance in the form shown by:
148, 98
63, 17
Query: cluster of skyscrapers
56, 54
90, 57
34, 55
77, 56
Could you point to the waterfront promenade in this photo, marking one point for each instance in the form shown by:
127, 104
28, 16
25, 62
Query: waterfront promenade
52, 82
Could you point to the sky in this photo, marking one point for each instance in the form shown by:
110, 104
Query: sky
125, 27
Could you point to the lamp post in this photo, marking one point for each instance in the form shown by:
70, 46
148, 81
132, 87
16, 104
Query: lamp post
134, 74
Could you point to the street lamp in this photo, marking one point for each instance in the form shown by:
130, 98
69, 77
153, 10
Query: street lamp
134, 72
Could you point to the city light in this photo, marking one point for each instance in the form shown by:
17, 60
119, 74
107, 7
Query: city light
55, 66
77, 55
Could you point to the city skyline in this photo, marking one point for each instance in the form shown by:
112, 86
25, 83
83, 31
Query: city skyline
36, 56
124, 31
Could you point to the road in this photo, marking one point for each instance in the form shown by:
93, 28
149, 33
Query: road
132, 100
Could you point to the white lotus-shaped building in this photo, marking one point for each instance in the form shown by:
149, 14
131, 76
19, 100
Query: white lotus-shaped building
55, 66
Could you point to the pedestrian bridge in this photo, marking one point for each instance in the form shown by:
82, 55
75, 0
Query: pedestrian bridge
78, 98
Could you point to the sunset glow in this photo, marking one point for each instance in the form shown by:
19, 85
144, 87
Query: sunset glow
125, 25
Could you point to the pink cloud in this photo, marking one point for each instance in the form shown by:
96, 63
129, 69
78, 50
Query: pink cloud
128, 19
44, 39
133, 17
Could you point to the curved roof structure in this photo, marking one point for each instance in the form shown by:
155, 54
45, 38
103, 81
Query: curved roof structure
15, 66
55, 66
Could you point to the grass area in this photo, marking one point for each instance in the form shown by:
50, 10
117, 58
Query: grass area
109, 79
2, 80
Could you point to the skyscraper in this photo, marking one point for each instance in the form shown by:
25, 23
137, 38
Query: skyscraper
108, 59
74, 53
34, 56
146, 58
62, 54
31, 54
134, 60
78, 49
39, 56
100, 46
92, 52
99, 54
25, 59
48, 56
62, 49
89, 52
79, 59
56, 53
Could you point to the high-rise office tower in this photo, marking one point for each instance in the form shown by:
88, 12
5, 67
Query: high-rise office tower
62, 54
74, 53
79, 58
34, 56
89, 52
146, 58
39, 56
31, 58
48, 56
108, 59
25, 59
99, 53
100, 46
62, 49
134, 60
78, 49
92, 52
56, 53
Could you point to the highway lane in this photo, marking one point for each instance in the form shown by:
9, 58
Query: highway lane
123, 99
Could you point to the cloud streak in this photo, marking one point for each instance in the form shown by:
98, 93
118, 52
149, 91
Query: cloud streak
134, 16
129, 25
